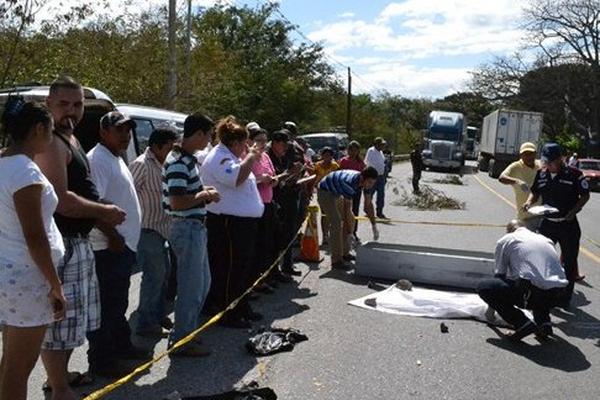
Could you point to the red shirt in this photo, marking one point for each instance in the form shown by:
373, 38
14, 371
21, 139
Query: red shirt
348, 163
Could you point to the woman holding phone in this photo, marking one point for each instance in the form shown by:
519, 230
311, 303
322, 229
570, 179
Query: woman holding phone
31, 295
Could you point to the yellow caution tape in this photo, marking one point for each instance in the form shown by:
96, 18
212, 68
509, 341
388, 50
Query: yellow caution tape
109, 388
439, 223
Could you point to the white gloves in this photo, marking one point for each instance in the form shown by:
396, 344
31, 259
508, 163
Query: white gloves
375, 232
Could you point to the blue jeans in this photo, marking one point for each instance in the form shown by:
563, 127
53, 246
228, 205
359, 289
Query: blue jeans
153, 259
378, 189
188, 240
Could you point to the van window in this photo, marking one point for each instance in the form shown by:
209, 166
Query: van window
142, 133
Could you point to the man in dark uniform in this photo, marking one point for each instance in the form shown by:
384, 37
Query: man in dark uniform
286, 193
416, 160
566, 189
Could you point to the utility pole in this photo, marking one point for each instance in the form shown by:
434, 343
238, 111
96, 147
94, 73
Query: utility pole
349, 105
188, 54
172, 65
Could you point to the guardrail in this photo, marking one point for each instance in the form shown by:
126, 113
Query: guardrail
401, 157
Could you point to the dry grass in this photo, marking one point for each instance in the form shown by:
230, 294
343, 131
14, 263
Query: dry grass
429, 199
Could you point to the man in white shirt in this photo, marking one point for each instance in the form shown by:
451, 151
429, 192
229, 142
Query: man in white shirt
376, 159
114, 247
528, 275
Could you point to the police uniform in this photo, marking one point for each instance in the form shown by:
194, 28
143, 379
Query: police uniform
562, 191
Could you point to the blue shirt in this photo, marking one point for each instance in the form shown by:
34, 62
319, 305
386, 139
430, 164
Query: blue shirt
341, 183
180, 177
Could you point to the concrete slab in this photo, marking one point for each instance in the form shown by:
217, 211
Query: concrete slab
428, 265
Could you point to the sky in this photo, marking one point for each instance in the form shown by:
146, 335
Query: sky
412, 48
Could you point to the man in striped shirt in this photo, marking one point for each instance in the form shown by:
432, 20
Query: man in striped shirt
152, 254
335, 195
184, 199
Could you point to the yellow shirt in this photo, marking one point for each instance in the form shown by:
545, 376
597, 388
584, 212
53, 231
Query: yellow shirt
518, 170
321, 170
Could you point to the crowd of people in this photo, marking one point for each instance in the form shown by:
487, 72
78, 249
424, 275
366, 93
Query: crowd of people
214, 208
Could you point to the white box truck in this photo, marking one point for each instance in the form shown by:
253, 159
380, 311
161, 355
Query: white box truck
502, 133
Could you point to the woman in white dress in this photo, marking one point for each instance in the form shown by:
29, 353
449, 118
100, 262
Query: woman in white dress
31, 296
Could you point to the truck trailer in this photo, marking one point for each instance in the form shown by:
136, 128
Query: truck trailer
502, 133
445, 140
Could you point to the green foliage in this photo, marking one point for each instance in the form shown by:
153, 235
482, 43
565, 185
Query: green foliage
243, 61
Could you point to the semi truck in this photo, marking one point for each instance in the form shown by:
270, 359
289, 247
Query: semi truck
502, 133
472, 148
445, 140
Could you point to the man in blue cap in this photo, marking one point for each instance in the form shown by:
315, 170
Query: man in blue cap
566, 189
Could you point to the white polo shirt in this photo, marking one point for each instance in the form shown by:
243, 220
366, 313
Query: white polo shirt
528, 255
221, 169
375, 159
114, 183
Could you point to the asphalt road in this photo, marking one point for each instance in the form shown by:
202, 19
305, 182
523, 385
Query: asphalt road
361, 354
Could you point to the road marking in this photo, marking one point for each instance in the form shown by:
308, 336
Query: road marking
582, 249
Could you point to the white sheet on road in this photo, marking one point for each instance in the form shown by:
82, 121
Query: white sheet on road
429, 303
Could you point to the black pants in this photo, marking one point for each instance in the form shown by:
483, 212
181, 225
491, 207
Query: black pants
266, 248
114, 273
356, 207
504, 296
415, 180
231, 247
287, 227
567, 234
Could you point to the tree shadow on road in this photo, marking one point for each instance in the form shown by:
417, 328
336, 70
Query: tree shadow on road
576, 322
229, 364
555, 353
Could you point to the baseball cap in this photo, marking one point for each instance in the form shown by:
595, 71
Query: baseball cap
280, 136
115, 118
527, 146
291, 126
326, 149
551, 152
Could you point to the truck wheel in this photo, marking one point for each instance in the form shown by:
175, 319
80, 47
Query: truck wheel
484, 164
494, 170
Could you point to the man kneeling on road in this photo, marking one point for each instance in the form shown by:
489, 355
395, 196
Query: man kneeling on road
528, 275
335, 195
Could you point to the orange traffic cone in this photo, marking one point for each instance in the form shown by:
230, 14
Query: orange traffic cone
309, 246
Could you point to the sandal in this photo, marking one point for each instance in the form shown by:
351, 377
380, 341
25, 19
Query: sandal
76, 379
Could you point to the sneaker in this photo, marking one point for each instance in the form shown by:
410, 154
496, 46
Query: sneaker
192, 349
349, 257
525, 330
381, 216
167, 323
153, 333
